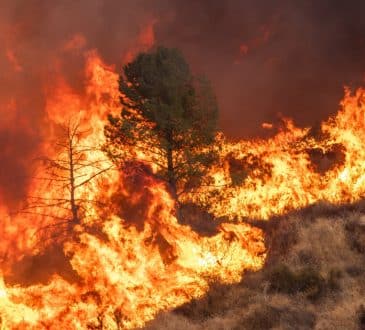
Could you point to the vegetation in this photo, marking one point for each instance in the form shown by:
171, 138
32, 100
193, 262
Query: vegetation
307, 281
361, 317
315, 280
167, 114
67, 173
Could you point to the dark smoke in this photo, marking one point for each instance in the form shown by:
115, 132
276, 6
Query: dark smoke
263, 57
33, 35
295, 56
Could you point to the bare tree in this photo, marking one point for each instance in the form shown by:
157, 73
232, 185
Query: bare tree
64, 176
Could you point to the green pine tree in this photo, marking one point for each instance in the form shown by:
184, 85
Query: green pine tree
168, 114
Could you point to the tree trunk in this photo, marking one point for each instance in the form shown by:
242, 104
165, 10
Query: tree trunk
73, 205
171, 173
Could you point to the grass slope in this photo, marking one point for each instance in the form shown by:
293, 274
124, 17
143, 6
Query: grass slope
314, 278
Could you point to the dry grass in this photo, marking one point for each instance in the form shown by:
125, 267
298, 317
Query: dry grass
314, 279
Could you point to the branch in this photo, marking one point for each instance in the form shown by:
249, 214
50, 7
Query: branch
92, 177
43, 215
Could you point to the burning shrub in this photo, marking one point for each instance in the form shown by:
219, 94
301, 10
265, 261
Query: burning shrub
132, 199
237, 171
325, 160
40, 268
248, 166
323, 156
199, 219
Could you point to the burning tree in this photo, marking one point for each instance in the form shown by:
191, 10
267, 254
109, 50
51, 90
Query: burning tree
168, 115
66, 175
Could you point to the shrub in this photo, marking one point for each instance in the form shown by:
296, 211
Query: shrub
280, 237
356, 233
307, 281
297, 318
212, 304
361, 317
263, 318
333, 279
354, 270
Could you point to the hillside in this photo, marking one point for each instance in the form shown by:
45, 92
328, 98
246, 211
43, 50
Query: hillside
314, 278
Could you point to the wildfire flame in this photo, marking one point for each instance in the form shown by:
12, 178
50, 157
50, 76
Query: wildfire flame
126, 270
123, 273
295, 168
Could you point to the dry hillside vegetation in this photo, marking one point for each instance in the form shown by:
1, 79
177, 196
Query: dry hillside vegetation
314, 278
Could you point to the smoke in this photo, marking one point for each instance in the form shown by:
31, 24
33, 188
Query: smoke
262, 58
265, 57
42, 39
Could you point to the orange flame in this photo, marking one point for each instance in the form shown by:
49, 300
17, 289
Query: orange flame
295, 168
12, 58
127, 268
124, 272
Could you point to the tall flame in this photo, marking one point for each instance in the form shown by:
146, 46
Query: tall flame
123, 272
128, 265
295, 168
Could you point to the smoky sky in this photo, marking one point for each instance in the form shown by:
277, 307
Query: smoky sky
270, 57
262, 57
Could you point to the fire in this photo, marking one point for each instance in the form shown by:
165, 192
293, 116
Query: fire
129, 257
295, 168
267, 125
146, 40
13, 60
125, 265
